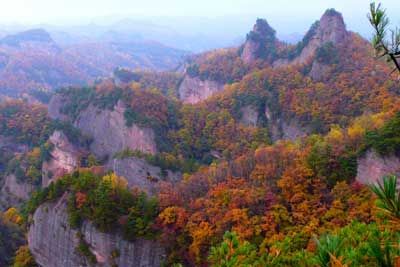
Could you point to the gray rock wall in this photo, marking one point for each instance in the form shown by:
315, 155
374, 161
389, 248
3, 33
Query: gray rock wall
52, 242
110, 133
193, 90
372, 167
140, 174
64, 158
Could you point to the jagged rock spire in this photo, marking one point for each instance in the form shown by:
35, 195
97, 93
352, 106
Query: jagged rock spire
260, 43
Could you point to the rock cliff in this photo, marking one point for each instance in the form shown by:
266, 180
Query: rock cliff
55, 106
281, 128
372, 167
260, 43
13, 193
249, 115
110, 133
107, 128
140, 174
329, 29
193, 90
64, 158
53, 242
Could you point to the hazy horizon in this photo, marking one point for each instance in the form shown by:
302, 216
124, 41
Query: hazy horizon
223, 20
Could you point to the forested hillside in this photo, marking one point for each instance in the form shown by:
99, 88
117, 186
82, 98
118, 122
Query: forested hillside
261, 155
32, 60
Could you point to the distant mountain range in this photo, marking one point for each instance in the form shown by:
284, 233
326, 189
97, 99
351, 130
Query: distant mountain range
32, 59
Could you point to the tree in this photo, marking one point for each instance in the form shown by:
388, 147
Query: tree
388, 197
24, 258
231, 252
384, 47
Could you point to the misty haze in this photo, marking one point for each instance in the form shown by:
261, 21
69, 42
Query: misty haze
246, 133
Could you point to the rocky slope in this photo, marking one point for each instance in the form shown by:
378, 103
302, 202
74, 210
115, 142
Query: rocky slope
64, 158
263, 48
372, 167
110, 133
107, 128
140, 174
53, 243
13, 192
260, 44
329, 29
193, 90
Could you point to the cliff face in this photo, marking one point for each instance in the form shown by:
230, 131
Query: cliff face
280, 128
193, 90
140, 174
64, 158
13, 193
110, 133
55, 105
330, 29
372, 167
107, 129
260, 43
249, 115
7, 144
53, 243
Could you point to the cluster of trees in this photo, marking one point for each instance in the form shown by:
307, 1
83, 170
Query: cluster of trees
166, 82
11, 237
20, 121
278, 199
104, 200
223, 65
27, 167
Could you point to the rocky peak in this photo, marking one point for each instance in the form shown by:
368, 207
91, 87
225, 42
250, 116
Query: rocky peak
329, 30
332, 27
263, 29
260, 43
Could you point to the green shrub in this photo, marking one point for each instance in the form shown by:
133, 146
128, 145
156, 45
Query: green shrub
385, 140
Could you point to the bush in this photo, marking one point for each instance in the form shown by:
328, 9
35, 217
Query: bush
385, 140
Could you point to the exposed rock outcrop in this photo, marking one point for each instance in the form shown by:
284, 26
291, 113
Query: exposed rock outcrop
330, 29
281, 128
107, 128
64, 158
140, 174
249, 115
193, 90
319, 71
8, 144
110, 133
372, 167
260, 43
54, 108
53, 242
13, 193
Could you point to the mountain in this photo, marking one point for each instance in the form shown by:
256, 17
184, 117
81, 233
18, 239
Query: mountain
32, 60
267, 149
35, 35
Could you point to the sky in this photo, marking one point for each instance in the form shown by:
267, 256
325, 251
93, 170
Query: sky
227, 21
53, 11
